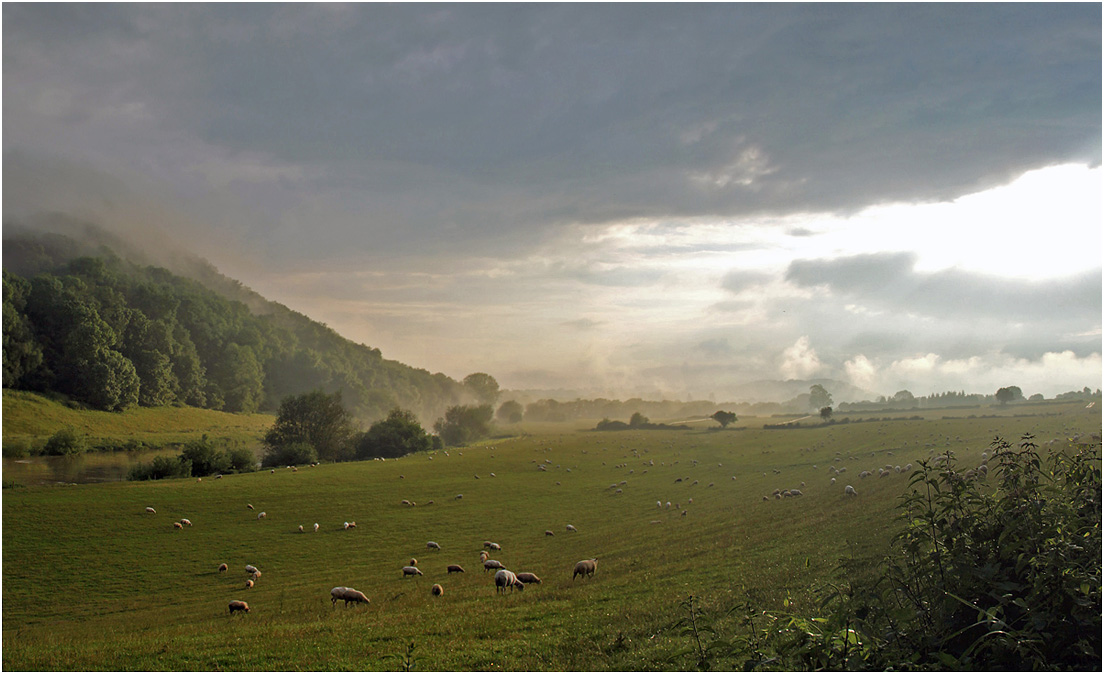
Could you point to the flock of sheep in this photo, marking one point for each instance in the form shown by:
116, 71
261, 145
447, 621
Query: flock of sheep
505, 579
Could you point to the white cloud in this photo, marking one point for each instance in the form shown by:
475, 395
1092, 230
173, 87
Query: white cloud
800, 360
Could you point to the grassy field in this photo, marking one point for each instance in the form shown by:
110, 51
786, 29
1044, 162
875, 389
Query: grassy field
30, 419
93, 582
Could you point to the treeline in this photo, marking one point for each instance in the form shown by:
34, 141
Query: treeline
112, 334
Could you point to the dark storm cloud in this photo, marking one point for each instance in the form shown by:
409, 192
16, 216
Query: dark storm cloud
453, 125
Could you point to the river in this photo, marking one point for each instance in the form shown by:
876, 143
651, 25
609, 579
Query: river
89, 467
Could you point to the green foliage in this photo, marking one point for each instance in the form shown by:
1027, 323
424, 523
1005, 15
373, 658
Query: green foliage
1009, 394
463, 424
111, 333
205, 458
397, 435
240, 460
161, 468
317, 419
510, 412
723, 418
66, 442
826, 413
819, 397
484, 386
290, 454
1004, 578
638, 420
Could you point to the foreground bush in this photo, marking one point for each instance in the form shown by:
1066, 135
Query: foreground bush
998, 569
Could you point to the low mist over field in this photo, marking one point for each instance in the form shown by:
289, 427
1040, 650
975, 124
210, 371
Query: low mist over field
656, 200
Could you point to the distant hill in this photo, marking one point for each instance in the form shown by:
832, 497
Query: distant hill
113, 324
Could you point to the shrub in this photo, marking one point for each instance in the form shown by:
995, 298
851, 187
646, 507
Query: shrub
241, 459
160, 468
66, 442
291, 454
397, 435
1004, 578
205, 458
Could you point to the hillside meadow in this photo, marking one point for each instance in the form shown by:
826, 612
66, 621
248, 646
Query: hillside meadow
91, 581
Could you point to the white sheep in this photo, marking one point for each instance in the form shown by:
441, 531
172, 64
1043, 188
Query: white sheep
507, 579
432, 545
571, 528
186, 522
436, 590
177, 525
223, 567
249, 568
262, 515
585, 568
850, 491
411, 571
349, 595
150, 510
316, 527
548, 532
455, 568
489, 564
249, 583
238, 605
300, 528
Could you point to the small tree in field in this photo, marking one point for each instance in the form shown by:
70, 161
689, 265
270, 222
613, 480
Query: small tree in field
316, 419
464, 423
723, 418
397, 435
826, 413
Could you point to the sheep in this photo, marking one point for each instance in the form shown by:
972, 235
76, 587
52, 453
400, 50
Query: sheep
455, 568
405, 502
437, 590
186, 522
238, 605
548, 532
151, 510
571, 528
483, 555
316, 527
249, 568
506, 579
177, 525
352, 525
492, 546
411, 571
348, 595
262, 515
585, 568
300, 528
249, 505
248, 583
433, 545
256, 575
850, 491
528, 578
833, 481
492, 564
458, 497
346, 526
222, 567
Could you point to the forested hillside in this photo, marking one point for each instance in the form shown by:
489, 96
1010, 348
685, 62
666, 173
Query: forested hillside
111, 333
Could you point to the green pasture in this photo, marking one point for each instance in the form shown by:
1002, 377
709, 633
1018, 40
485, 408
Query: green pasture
31, 418
93, 582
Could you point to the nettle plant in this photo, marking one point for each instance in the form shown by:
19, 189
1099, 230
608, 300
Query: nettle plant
995, 568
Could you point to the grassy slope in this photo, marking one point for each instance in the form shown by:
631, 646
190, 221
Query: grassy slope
32, 418
141, 596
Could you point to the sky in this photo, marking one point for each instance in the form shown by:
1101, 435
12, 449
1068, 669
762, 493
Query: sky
613, 199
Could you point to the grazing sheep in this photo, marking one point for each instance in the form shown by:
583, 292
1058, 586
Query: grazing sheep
437, 590
249, 568
483, 555
262, 515
352, 525
585, 568
150, 510
346, 526
177, 525
571, 528
432, 545
249, 505
850, 491
492, 546
223, 567
316, 527
256, 575
405, 502
506, 579
348, 595
455, 568
458, 497
238, 605
186, 522
411, 571
300, 528
528, 578
492, 564
249, 583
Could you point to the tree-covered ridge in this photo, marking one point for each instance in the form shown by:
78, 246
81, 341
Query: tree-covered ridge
112, 334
